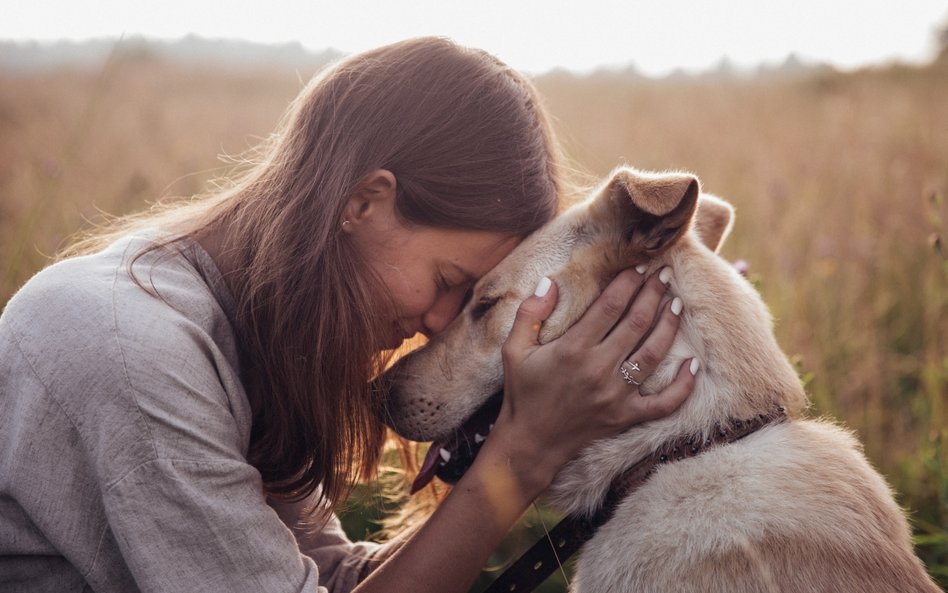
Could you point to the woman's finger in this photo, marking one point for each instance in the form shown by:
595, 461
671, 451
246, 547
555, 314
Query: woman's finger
641, 363
650, 407
531, 314
640, 318
607, 309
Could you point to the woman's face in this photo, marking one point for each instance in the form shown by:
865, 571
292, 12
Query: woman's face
430, 271
427, 271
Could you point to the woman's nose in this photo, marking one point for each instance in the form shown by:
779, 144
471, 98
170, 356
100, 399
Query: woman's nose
444, 310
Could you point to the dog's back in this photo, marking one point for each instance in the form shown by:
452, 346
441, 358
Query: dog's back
793, 507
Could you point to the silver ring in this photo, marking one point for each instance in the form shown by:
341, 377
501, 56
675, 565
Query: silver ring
626, 374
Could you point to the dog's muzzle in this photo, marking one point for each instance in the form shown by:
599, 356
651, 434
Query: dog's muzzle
449, 458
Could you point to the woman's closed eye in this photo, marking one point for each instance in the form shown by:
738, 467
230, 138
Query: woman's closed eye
445, 286
442, 283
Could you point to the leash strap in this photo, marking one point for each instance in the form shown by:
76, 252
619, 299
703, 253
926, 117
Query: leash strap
541, 560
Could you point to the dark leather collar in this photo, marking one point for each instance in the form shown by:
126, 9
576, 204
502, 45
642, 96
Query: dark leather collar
540, 561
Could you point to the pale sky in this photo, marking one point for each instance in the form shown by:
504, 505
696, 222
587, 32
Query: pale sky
655, 35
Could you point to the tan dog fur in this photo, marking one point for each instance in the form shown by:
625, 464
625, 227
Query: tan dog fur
793, 507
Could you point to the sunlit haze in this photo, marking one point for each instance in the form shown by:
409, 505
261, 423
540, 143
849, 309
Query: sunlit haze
656, 36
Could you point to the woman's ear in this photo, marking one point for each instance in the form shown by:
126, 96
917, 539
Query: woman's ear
372, 202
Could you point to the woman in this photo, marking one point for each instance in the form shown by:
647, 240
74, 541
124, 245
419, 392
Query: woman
183, 405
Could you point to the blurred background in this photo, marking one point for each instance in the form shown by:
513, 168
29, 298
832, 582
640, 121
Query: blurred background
825, 124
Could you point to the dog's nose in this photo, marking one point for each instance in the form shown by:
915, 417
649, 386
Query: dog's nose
393, 411
386, 394
393, 415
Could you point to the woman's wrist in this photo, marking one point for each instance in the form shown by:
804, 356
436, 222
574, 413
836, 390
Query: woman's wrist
514, 462
466, 527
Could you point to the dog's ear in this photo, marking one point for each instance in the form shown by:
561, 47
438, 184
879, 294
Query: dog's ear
713, 221
653, 209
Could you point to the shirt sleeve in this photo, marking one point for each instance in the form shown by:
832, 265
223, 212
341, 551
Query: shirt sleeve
186, 525
194, 517
342, 564
183, 523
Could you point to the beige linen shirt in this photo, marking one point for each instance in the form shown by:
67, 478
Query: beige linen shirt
124, 431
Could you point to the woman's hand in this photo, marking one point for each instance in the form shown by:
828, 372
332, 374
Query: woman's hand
582, 386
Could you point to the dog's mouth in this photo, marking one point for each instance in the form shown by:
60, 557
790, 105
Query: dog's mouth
450, 457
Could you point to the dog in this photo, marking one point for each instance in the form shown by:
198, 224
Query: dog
793, 507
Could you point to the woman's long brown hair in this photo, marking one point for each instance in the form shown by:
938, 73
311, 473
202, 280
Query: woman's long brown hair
470, 148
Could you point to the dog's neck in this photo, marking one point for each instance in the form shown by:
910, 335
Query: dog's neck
743, 372
727, 327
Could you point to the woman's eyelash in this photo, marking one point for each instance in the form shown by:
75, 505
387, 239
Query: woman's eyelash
442, 283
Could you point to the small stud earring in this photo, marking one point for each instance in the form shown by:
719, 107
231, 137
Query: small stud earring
345, 222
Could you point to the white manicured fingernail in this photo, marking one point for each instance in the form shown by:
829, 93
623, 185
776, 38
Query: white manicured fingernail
543, 287
665, 275
676, 306
694, 366
641, 268
445, 454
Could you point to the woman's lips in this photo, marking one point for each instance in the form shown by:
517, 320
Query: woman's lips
408, 331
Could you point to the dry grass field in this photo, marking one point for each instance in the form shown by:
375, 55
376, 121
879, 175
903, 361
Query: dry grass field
840, 183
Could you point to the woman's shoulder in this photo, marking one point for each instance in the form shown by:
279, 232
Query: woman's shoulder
72, 291
84, 290
140, 328
132, 295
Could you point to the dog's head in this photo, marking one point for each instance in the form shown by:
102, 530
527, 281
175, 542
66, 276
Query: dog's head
633, 218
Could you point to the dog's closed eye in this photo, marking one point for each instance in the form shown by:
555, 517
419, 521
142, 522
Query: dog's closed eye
483, 306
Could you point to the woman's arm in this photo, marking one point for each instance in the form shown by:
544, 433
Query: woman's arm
532, 439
